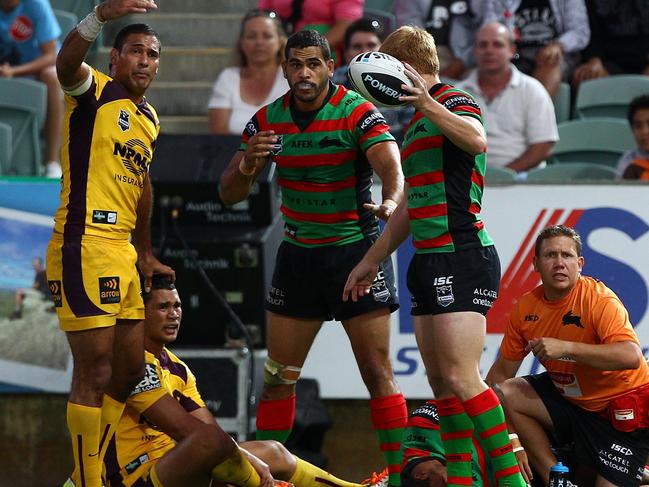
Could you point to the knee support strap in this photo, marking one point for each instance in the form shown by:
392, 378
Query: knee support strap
276, 374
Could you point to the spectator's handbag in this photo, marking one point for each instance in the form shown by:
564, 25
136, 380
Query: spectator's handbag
631, 411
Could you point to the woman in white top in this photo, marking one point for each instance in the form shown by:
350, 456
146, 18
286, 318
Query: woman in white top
255, 80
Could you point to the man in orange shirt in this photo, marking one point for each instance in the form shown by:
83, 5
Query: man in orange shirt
596, 388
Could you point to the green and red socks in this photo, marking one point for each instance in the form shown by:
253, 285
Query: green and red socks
275, 418
456, 430
389, 418
489, 421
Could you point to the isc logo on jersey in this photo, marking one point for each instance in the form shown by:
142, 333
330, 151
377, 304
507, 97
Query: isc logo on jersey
150, 381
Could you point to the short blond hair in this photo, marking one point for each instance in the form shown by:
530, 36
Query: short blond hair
414, 46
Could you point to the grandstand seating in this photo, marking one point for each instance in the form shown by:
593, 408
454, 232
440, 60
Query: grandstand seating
23, 107
596, 140
499, 175
571, 172
79, 8
67, 21
5, 146
192, 60
562, 107
610, 96
385, 5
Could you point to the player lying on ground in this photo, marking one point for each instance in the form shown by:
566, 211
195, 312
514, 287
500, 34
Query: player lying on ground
168, 438
424, 463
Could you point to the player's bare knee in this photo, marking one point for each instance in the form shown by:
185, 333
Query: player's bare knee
511, 390
277, 450
212, 444
456, 381
279, 379
283, 461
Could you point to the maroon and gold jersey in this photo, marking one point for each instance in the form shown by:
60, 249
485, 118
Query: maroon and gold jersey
107, 148
137, 443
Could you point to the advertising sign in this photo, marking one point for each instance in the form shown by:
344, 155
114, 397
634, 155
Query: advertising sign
615, 234
34, 354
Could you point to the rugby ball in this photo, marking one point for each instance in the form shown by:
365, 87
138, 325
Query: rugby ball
378, 77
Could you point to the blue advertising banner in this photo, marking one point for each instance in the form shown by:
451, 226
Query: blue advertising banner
34, 355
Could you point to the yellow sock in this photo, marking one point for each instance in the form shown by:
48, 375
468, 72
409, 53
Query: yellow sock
155, 480
111, 412
237, 470
83, 423
307, 475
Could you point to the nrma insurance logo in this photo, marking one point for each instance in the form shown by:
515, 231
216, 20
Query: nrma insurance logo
615, 245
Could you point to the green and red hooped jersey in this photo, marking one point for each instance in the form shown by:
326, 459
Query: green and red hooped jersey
422, 438
322, 170
446, 183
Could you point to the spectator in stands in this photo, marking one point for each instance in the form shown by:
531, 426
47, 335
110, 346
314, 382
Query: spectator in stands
519, 114
619, 40
362, 35
452, 23
596, 386
255, 80
550, 35
366, 35
634, 164
39, 285
29, 42
329, 17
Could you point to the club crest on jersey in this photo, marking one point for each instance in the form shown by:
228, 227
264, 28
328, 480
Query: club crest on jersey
278, 146
445, 295
123, 120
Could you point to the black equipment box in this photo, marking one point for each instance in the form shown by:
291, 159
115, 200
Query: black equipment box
238, 261
185, 174
223, 382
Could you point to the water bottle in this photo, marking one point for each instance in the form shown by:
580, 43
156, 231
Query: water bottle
559, 475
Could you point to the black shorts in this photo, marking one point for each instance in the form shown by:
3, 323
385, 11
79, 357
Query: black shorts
309, 282
617, 456
450, 282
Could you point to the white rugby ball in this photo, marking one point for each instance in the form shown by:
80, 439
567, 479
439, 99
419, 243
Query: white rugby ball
378, 77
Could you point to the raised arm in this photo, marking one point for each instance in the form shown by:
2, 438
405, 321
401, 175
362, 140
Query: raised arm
464, 131
70, 66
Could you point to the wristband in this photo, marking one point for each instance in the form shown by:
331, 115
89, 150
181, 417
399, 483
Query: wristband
243, 170
90, 27
518, 448
513, 436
